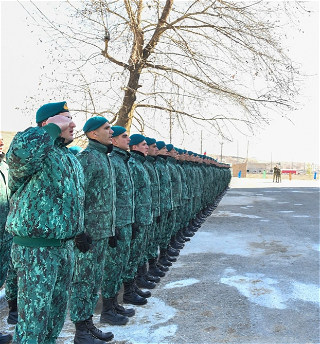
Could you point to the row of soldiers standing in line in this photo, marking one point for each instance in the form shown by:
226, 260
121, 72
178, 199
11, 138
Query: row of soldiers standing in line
107, 217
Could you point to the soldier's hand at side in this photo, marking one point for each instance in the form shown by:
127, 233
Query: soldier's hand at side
83, 242
62, 122
113, 241
135, 230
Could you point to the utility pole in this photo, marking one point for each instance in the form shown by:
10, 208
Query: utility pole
201, 143
237, 151
247, 150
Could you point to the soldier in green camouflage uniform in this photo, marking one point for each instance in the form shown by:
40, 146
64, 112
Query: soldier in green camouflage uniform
173, 246
142, 222
5, 237
184, 209
153, 238
46, 182
166, 206
117, 257
99, 220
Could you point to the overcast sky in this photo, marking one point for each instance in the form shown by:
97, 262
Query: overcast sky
283, 140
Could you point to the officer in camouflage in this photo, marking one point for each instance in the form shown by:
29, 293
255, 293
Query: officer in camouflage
46, 215
117, 257
99, 224
5, 237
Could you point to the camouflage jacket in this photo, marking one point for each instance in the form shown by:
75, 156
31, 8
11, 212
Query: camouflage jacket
175, 181
100, 192
124, 187
185, 193
190, 174
142, 189
149, 164
165, 184
47, 185
4, 199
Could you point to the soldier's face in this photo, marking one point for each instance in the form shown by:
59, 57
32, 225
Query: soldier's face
68, 134
121, 141
141, 147
153, 150
173, 153
163, 151
103, 134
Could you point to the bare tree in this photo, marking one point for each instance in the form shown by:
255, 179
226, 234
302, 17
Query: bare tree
217, 63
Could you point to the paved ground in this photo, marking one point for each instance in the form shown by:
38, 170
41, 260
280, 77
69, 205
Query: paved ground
249, 275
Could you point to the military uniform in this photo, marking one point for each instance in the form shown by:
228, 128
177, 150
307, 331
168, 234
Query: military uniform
117, 258
46, 182
142, 221
99, 224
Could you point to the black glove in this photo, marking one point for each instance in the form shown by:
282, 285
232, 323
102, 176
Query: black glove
83, 242
158, 219
135, 230
113, 241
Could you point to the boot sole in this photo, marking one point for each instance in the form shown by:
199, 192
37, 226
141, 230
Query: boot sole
110, 322
135, 303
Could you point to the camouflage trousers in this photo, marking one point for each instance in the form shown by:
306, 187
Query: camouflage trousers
5, 252
87, 279
44, 279
11, 288
137, 253
167, 229
153, 240
115, 261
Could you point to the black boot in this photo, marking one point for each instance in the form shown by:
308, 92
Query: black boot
153, 269
106, 336
152, 278
109, 314
130, 295
174, 244
182, 235
141, 279
171, 259
13, 312
163, 258
84, 336
5, 338
179, 238
127, 312
172, 251
141, 292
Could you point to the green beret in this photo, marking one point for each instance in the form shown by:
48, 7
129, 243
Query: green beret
75, 150
94, 123
135, 139
150, 141
118, 130
160, 144
169, 147
50, 110
190, 152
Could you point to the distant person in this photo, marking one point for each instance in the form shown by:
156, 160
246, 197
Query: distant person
278, 175
48, 178
275, 169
